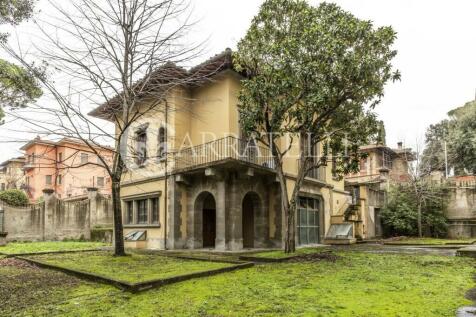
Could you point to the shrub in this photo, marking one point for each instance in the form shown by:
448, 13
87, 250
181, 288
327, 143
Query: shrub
14, 197
400, 215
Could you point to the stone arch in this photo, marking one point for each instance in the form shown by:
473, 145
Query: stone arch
205, 221
252, 220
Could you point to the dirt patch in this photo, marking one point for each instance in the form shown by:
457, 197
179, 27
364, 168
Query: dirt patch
17, 263
316, 257
24, 285
471, 294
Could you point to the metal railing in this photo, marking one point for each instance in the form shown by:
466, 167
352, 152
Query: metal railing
223, 149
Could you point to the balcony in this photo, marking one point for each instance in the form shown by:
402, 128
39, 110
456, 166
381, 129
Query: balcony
221, 151
28, 166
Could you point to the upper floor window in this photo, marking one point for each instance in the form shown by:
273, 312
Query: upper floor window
100, 181
162, 143
386, 160
48, 179
60, 179
60, 157
311, 151
141, 146
84, 158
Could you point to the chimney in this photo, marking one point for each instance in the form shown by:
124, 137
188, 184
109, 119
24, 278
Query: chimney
400, 145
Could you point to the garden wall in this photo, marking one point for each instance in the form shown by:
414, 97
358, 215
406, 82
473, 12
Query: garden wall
461, 210
56, 219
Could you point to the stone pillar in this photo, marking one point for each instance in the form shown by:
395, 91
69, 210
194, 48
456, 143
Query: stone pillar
261, 214
174, 211
236, 218
194, 224
49, 214
221, 209
95, 214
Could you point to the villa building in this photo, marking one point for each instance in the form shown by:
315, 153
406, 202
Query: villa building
194, 181
382, 166
11, 174
68, 167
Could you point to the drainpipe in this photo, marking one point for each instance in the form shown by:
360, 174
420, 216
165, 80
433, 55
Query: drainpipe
166, 174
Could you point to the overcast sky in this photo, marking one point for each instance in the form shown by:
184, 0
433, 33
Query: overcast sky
436, 55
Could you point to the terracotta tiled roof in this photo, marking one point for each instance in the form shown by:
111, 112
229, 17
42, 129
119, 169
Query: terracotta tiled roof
168, 76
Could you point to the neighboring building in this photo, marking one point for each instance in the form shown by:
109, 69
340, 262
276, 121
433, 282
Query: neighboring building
382, 166
68, 167
194, 183
11, 174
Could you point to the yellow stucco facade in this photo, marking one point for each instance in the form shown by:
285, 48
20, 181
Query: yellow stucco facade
210, 190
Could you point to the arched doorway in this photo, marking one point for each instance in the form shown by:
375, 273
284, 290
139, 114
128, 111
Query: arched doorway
250, 205
208, 221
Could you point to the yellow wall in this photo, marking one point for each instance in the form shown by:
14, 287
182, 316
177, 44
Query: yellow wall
212, 108
155, 235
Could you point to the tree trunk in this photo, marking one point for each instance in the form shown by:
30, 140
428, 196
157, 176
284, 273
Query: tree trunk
290, 237
117, 212
420, 233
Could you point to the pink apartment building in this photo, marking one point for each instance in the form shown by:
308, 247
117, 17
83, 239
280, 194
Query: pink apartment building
68, 167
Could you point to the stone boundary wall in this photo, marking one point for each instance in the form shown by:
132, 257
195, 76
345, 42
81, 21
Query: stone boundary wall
461, 210
56, 219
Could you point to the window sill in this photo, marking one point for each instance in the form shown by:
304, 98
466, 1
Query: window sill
146, 225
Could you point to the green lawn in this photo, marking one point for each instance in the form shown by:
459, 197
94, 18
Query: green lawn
279, 254
357, 284
429, 241
48, 246
133, 268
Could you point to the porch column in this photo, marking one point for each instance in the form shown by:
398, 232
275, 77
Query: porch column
220, 240
235, 225
193, 226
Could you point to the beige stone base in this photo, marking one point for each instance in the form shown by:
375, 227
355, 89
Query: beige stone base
340, 241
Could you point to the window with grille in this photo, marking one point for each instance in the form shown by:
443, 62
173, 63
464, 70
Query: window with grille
308, 221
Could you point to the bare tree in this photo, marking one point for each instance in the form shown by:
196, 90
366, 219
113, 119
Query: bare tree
119, 54
421, 185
